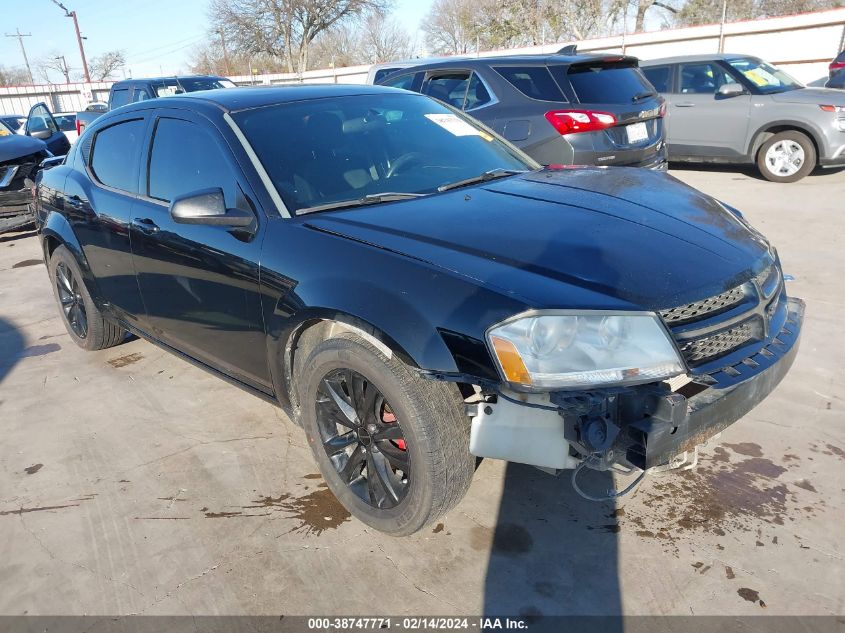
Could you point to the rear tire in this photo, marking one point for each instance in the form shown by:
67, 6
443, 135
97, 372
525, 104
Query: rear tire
85, 324
786, 157
427, 415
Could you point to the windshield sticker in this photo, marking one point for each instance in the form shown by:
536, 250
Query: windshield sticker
452, 124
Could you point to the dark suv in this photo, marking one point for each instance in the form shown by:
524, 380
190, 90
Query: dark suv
559, 109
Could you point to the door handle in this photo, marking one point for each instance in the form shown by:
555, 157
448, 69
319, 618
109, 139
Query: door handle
75, 202
685, 104
145, 225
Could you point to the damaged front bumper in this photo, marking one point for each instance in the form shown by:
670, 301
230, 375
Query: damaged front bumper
639, 427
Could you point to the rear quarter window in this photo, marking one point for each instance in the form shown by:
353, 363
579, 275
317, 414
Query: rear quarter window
114, 158
119, 98
534, 82
603, 83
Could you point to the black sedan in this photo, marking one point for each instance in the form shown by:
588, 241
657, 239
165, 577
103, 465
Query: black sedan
413, 290
20, 158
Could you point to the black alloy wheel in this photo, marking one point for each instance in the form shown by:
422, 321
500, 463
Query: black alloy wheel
363, 439
73, 305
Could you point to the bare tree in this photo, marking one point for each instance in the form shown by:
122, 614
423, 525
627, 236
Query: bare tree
13, 76
696, 12
53, 63
284, 28
207, 59
103, 66
383, 39
451, 27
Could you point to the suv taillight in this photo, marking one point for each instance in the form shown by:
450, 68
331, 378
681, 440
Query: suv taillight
78, 127
834, 65
572, 121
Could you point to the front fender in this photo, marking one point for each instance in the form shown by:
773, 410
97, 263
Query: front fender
56, 231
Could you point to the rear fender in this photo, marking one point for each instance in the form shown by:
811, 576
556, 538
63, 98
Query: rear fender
56, 232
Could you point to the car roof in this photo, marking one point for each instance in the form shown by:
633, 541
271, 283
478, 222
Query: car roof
136, 80
468, 62
701, 57
234, 99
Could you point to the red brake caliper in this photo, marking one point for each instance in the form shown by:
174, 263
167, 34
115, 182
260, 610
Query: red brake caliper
388, 417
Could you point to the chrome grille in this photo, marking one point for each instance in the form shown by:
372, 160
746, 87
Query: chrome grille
767, 280
699, 309
709, 347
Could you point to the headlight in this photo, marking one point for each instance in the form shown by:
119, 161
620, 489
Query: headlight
558, 350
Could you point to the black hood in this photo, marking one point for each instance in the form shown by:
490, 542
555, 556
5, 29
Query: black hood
16, 146
629, 234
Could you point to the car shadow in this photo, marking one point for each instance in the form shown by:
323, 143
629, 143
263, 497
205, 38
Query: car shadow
553, 553
11, 347
749, 171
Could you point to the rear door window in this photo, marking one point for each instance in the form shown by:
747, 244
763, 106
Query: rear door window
703, 78
449, 88
604, 83
114, 158
119, 97
534, 82
140, 94
660, 77
381, 73
477, 93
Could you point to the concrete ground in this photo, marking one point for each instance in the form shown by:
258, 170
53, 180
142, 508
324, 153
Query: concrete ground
133, 482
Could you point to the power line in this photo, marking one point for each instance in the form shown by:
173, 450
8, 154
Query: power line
72, 14
20, 37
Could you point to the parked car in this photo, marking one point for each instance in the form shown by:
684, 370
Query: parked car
378, 72
67, 124
13, 121
132, 90
559, 109
413, 289
20, 157
837, 64
837, 80
740, 109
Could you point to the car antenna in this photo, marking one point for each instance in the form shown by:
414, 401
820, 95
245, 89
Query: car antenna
570, 49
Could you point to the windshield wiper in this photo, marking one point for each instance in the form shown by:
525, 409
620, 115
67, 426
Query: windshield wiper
491, 174
643, 95
372, 198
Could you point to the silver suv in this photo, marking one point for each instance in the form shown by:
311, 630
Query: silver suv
739, 109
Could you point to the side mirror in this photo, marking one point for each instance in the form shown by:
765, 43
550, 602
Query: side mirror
208, 206
42, 134
730, 90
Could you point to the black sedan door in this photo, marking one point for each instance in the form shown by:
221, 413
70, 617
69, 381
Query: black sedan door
199, 283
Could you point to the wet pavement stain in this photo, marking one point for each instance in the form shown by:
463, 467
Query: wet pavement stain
123, 361
511, 539
718, 497
729, 573
31, 470
749, 449
750, 595
835, 450
28, 262
222, 515
39, 350
317, 512
438, 528
313, 476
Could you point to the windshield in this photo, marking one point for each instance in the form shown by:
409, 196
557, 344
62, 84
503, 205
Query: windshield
322, 151
4, 131
765, 77
174, 86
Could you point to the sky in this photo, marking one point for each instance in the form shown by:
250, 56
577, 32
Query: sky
157, 36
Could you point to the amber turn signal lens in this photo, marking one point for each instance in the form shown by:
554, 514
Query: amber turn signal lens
512, 365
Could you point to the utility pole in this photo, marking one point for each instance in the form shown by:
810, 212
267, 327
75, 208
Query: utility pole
72, 14
20, 37
722, 26
225, 52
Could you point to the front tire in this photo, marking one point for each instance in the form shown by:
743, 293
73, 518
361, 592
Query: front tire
393, 447
84, 322
786, 157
